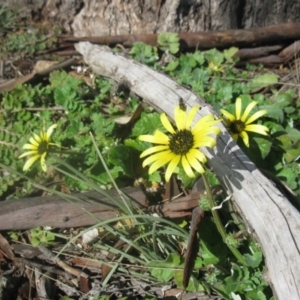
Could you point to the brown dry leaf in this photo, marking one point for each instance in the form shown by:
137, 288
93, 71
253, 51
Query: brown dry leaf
5, 248
42, 65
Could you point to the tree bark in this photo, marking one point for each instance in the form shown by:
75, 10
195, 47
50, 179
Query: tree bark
270, 217
117, 17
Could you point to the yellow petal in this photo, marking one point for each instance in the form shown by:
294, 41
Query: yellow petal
37, 138
247, 111
152, 150
180, 118
245, 138
227, 115
198, 133
50, 130
163, 160
261, 129
157, 138
193, 160
196, 154
29, 153
171, 167
191, 116
205, 122
238, 108
160, 155
33, 141
207, 141
30, 161
43, 163
187, 168
30, 146
255, 116
166, 123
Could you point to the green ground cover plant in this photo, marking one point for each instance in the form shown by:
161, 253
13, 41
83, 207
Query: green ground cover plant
90, 149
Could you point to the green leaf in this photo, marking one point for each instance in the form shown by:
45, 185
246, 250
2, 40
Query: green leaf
288, 174
164, 270
172, 66
155, 177
253, 260
274, 111
264, 145
199, 57
168, 42
124, 158
229, 53
214, 56
193, 286
264, 80
147, 124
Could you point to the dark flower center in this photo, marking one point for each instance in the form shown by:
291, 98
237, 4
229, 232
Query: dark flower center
237, 126
181, 142
43, 147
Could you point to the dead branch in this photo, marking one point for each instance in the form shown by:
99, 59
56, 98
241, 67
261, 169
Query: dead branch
205, 40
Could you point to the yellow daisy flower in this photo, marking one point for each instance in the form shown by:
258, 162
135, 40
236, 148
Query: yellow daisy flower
182, 144
239, 124
39, 148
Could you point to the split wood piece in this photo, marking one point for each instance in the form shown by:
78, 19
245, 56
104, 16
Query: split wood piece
54, 211
269, 215
57, 212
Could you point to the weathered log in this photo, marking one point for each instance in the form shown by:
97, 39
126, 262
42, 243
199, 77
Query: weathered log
268, 214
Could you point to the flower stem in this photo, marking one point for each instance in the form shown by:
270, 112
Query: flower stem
219, 224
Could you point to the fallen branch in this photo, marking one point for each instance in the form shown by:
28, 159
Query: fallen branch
205, 39
267, 213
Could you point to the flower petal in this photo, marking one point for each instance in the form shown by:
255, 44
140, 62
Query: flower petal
50, 130
207, 141
157, 156
171, 167
198, 155
34, 142
238, 108
205, 122
153, 149
227, 115
261, 129
30, 146
37, 138
157, 138
187, 167
162, 160
30, 161
255, 116
206, 131
193, 158
166, 123
247, 111
43, 163
29, 153
180, 118
245, 138
191, 116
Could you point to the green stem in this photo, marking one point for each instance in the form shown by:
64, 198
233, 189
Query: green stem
219, 224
